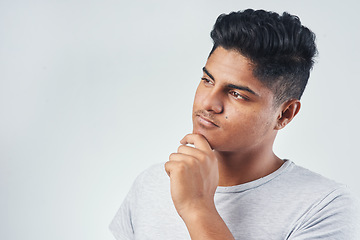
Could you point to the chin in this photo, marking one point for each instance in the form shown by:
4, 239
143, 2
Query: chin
208, 136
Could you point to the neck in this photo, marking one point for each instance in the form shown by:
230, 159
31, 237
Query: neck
241, 167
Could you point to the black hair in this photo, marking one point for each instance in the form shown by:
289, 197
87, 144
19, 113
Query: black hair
281, 50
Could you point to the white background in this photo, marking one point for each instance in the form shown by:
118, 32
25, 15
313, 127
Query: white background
94, 92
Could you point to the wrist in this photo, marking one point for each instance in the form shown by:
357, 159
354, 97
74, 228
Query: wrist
197, 212
206, 223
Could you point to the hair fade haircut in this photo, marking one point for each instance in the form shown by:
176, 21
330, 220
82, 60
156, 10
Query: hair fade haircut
280, 48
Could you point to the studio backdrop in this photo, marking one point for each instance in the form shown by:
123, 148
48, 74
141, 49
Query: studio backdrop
94, 92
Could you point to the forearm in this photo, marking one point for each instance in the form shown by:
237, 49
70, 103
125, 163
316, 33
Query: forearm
194, 177
207, 225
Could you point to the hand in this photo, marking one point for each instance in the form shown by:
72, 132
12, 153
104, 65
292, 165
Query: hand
194, 176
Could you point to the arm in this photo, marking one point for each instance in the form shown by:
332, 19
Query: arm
207, 224
121, 225
194, 177
336, 216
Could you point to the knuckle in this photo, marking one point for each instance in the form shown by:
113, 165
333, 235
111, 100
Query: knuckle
172, 156
182, 166
180, 148
192, 161
203, 157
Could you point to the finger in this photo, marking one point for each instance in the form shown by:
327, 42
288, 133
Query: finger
189, 150
177, 157
169, 166
199, 141
178, 162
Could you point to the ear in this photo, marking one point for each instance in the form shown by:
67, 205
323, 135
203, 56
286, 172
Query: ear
288, 111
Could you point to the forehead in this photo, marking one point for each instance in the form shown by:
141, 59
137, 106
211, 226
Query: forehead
229, 66
230, 61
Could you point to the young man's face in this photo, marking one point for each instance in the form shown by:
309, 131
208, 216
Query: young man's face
232, 109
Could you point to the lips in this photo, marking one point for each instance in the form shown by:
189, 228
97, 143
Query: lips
206, 121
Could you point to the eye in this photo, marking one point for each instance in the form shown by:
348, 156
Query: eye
238, 95
207, 81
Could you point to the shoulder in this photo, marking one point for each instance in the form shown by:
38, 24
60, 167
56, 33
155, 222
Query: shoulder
328, 205
153, 176
305, 181
316, 193
153, 172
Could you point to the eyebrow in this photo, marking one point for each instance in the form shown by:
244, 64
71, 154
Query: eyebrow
243, 88
207, 73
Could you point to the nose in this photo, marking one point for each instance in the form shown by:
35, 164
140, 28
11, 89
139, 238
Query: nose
212, 101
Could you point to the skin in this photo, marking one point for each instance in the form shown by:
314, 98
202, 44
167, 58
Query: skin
235, 122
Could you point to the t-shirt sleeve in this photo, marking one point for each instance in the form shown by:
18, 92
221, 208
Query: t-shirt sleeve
334, 217
121, 226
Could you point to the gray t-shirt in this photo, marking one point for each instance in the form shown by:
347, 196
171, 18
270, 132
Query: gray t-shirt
291, 203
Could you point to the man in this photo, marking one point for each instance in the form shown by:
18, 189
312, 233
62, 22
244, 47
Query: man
225, 182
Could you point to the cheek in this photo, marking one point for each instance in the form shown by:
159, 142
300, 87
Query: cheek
248, 123
262, 123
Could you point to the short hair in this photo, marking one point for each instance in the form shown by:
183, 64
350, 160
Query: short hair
280, 48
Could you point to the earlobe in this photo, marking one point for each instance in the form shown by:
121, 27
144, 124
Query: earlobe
289, 110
